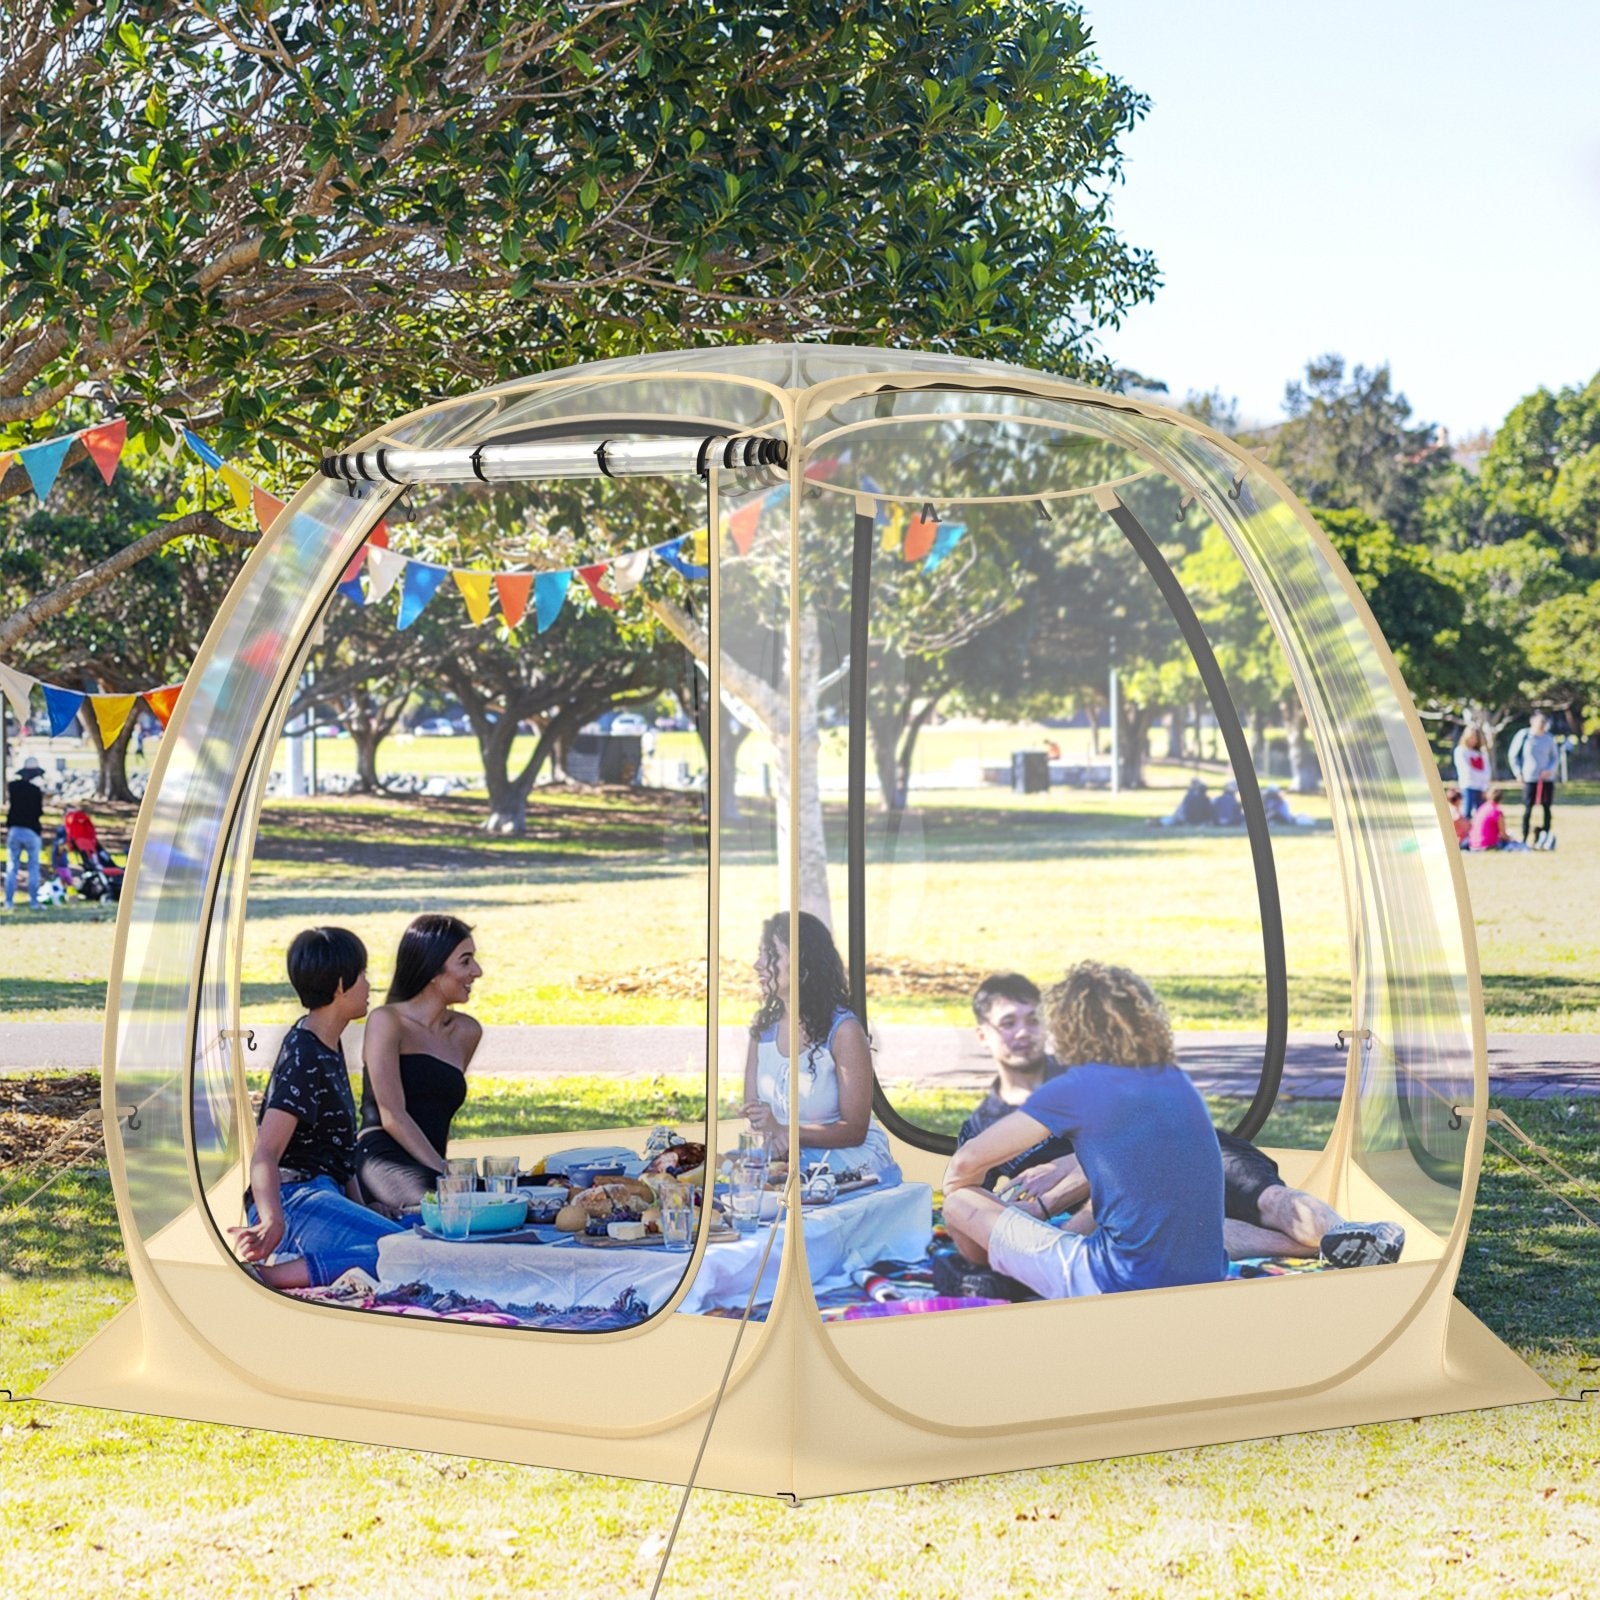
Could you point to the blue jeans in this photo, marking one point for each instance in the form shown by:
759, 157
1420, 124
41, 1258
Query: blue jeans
327, 1228
1471, 799
22, 842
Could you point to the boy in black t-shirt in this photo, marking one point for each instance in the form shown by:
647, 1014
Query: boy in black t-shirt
302, 1202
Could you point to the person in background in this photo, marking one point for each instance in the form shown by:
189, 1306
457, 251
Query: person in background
24, 830
306, 1225
836, 1121
414, 1063
1533, 757
1011, 1030
1276, 805
1193, 811
1226, 812
1487, 829
1473, 771
1458, 818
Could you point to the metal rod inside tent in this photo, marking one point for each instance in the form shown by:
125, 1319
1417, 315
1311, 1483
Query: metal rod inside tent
558, 458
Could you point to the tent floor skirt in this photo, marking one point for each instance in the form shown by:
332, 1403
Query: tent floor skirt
1478, 1371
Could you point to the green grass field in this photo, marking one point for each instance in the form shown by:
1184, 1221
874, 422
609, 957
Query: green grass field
596, 914
1503, 1503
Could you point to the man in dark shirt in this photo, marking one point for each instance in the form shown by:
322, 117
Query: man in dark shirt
1006, 1007
24, 830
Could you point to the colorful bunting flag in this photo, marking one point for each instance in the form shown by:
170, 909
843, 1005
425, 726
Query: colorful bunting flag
104, 445
549, 595
474, 587
202, 449
742, 525
920, 534
383, 571
421, 584
111, 713
16, 686
893, 527
513, 589
163, 701
673, 553
42, 462
628, 570
591, 577
947, 538
63, 706
238, 486
6, 458
266, 506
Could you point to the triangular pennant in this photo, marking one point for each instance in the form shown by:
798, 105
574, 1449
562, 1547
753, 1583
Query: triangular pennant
111, 714
920, 534
104, 445
383, 571
6, 458
549, 595
674, 553
742, 525
266, 506
379, 536
63, 706
162, 701
628, 570
591, 577
42, 463
239, 486
352, 571
474, 587
948, 537
513, 589
351, 588
699, 548
202, 449
893, 527
16, 686
421, 585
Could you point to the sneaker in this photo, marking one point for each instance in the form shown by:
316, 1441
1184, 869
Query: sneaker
1363, 1244
958, 1279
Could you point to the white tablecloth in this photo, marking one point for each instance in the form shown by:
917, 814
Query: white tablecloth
851, 1233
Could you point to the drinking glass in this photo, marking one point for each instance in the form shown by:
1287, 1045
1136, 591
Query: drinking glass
500, 1174
677, 1220
455, 1214
462, 1167
454, 1183
746, 1193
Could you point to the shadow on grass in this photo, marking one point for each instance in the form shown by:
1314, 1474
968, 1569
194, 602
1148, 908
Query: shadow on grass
1508, 994
69, 1230
87, 995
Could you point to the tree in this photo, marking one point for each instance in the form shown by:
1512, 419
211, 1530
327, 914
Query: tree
1562, 645
1351, 446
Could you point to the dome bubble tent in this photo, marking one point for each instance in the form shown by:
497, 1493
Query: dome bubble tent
868, 509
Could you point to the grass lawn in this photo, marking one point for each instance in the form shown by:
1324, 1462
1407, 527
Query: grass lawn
1502, 1503
597, 916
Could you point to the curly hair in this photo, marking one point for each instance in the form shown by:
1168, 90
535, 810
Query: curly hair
824, 989
1109, 1015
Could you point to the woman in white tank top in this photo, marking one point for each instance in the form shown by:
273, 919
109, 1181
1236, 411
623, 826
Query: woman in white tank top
836, 1118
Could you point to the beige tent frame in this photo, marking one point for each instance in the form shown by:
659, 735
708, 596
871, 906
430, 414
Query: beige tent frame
811, 1408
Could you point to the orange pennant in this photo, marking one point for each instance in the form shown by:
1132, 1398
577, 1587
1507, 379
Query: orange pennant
6, 459
920, 534
104, 445
267, 506
513, 589
378, 537
591, 577
162, 701
742, 526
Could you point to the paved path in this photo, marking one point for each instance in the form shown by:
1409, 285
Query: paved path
1522, 1066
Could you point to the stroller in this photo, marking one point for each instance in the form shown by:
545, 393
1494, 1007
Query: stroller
100, 878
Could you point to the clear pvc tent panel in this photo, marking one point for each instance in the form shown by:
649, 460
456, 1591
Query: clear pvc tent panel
812, 615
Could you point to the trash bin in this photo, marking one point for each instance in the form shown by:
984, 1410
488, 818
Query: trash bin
1030, 771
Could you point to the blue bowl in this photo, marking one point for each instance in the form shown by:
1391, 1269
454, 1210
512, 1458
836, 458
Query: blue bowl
591, 1173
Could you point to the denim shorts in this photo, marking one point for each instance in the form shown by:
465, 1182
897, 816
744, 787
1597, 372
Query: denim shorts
329, 1230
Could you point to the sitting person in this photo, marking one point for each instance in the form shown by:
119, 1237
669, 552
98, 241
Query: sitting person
836, 1120
302, 1203
1226, 812
1279, 813
1263, 1216
1142, 1135
1458, 816
414, 1063
1193, 811
1487, 830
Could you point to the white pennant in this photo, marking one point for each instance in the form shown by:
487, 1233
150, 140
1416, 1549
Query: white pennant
383, 571
16, 686
628, 570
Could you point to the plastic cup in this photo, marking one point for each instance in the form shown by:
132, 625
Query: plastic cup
746, 1193
455, 1215
677, 1223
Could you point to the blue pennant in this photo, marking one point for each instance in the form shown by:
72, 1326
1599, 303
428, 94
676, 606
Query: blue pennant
944, 541
63, 705
672, 553
421, 585
43, 463
353, 592
549, 595
202, 449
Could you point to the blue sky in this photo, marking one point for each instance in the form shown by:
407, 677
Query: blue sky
1415, 182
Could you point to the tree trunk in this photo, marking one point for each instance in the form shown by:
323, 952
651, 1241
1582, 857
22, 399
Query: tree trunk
908, 747
1257, 725
734, 733
884, 733
1175, 733
1134, 726
1302, 765
111, 781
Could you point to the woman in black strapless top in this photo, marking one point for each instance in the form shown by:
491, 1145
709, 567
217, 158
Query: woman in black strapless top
414, 1062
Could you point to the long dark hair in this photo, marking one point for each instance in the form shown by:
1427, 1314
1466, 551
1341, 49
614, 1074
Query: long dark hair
824, 989
424, 948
